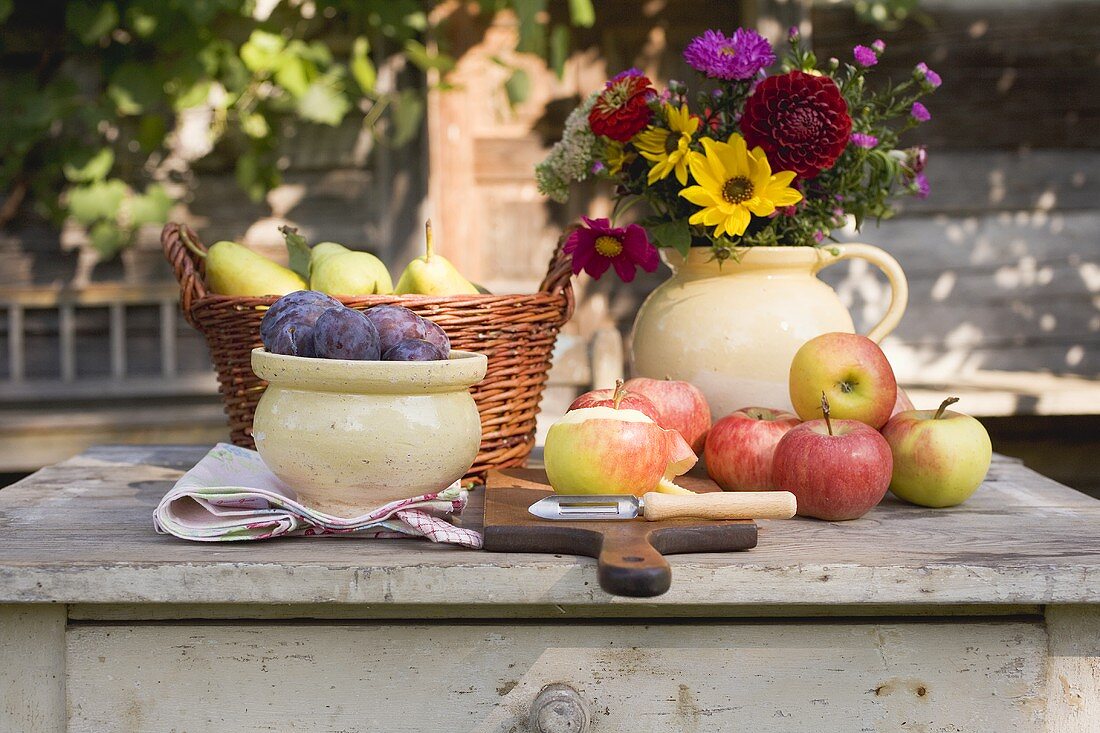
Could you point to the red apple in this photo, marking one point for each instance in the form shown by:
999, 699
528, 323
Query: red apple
627, 400
903, 402
682, 406
837, 469
851, 370
739, 447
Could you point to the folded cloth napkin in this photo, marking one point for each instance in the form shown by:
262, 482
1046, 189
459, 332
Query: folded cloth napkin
231, 495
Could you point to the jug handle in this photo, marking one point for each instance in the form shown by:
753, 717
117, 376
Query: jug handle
899, 286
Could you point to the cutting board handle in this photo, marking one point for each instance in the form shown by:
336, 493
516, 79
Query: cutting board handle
630, 566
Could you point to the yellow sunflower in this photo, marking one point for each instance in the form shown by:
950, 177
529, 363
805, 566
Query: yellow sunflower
733, 184
668, 149
615, 157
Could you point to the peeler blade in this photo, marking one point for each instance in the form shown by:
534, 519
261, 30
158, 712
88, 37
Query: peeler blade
587, 507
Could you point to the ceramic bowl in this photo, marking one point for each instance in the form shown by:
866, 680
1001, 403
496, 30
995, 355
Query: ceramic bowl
350, 436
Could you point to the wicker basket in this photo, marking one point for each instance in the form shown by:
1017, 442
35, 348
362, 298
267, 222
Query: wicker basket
516, 333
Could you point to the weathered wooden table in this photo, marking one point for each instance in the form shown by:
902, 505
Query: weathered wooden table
981, 618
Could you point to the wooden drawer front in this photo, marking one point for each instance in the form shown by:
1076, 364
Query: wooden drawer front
758, 677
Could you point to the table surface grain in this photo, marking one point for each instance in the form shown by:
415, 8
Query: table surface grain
81, 532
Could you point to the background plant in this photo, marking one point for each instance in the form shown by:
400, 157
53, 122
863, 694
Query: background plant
95, 97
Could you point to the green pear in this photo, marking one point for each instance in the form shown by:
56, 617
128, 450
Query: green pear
233, 269
349, 273
432, 274
322, 250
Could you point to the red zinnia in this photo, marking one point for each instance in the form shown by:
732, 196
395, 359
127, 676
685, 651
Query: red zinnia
800, 120
622, 109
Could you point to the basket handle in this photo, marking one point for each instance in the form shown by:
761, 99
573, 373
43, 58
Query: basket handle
559, 274
188, 266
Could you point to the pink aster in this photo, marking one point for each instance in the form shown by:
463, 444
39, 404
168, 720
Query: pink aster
598, 245
865, 56
740, 56
920, 183
863, 140
920, 113
927, 75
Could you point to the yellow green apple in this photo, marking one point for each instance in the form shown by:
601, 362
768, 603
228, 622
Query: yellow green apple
605, 450
940, 456
853, 373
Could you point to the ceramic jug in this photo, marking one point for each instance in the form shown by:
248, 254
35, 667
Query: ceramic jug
732, 328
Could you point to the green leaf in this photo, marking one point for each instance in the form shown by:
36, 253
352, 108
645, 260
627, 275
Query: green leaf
532, 32
675, 234
362, 68
260, 53
255, 125
517, 87
6, 6
135, 87
151, 132
141, 21
193, 95
582, 13
323, 103
559, 49
151, 207
99, 200
408, 111
90, 21
255, 176
298, 249
295, 75
89, 165
425, 59
107, 238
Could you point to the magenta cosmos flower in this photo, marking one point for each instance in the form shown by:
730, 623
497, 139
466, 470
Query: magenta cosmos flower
738, 57
920, 113
598, 245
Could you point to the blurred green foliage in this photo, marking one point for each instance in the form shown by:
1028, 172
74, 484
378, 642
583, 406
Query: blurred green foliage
92, 90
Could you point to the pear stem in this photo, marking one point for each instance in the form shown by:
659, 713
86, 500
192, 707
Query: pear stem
620, 392
825, 412
428, 240
943, 406
189, 244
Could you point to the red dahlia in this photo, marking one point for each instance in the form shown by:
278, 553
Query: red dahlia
800, 120
622, 109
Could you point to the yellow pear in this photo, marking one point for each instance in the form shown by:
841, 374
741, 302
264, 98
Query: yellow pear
322, 250
349, 273
233, 269
432, 274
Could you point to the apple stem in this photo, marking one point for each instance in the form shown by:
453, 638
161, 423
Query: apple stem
428, 239
825, 412
943, 406
620, 392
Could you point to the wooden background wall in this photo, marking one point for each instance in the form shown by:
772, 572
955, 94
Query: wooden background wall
1003, 257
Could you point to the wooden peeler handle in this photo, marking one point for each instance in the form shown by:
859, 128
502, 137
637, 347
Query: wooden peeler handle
721, 505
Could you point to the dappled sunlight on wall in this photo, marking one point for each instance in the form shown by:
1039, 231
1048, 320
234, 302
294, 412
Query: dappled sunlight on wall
1005, 292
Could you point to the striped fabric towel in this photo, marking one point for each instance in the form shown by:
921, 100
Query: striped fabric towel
231, 495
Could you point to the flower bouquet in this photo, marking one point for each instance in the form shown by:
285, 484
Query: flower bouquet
750, 159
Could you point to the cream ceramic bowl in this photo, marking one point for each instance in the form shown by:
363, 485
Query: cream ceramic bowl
350, 436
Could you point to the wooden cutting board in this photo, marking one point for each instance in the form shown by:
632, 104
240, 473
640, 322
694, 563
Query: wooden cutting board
630, 553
